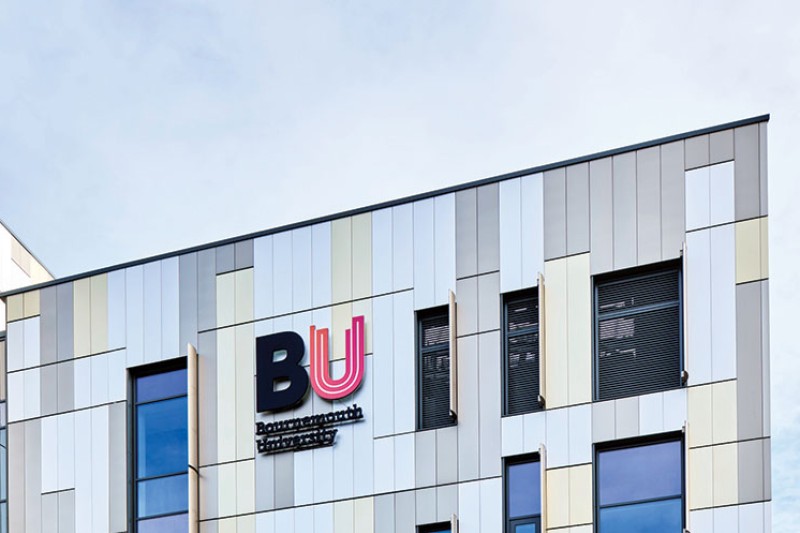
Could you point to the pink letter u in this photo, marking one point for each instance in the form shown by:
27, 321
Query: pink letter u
325, 386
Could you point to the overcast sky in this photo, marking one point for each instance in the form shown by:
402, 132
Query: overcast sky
133, 128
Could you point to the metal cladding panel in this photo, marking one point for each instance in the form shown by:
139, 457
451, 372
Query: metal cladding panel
721, 146
466, 233
382, 252
555, 214
403, 246
672, 200
762, 170
749, 360
625, 229
49, 325
532, 233
444, 236
510, 235
601, 193
697, 152
424, 262
748, 188
301, 269
320, 264
648, 205
188, 299
488, 228
577, 213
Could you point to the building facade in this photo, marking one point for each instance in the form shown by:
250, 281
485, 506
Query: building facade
572, 348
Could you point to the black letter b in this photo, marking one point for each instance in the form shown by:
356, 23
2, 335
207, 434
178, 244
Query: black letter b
269, 371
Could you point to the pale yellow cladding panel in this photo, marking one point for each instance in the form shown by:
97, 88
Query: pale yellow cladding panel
342, 260
558, 498
227, 525
99, 313
81, 317
363, 515
227, 489
30, 303
752, 250
15, 308
362, 256
580, 494
556, 347
245, 487
226, 299
343, 520
700, 416
245, 386
579, 329
700, 478
726, 474
243, 300
246, 524
226, 395
724, 412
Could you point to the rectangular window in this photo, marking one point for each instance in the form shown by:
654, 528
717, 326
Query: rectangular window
640, 488
435, 528
637, 333
161, 493
523, 495
521, 353
433, 368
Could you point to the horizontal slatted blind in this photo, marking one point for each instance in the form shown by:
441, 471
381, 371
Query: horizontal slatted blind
521, 329
434, 365
638, 334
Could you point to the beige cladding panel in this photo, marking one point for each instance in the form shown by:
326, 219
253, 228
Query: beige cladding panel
569, 496
81, 312
751, 250
15, 308
30, 303
99, 313
579, 332
556, 346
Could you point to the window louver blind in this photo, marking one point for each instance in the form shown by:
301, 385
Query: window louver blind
521, 354
638, 334
434, 370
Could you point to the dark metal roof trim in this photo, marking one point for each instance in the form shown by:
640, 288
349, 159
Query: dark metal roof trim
399, 201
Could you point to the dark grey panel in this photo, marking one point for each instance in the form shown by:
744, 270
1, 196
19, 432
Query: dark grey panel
555, 213
207, 401
577, 209
49, 390
226, 260
648, 205
405, 508
118, 467
746, 173
50, 512
751, 471
488, 228
625, 210
721, 146
466, 233
384, 513
187, 295
66, 386
48, 325
66, 511
696, 152
748, 360
602, 215
762, 173
66, 346
673, 223
206, 290
284, 480
447, 455
243, 254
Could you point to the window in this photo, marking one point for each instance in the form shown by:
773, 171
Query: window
161, 452
435, 528
523, 495
640, 488
637, 333
521, 353
433, 368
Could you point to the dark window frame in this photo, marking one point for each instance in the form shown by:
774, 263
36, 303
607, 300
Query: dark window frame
511, 297
635, 442
509, 524
420, 352
621, 276
435, 528
133, 466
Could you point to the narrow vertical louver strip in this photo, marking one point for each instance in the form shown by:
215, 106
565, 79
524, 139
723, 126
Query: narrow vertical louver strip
434, 369
638, 334
521, 352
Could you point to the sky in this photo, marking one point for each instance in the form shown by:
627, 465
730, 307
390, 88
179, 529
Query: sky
129, 129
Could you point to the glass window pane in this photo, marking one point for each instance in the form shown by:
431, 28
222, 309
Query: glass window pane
523, 490
167, 524
654, 517
3, 517
164, 385
640, 473
163, 495
525, 528
162, 438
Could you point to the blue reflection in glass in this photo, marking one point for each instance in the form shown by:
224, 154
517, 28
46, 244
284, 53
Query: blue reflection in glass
524, 497
525, 528
640, 473
654, 517
162, 441
167, 524
164, 385
163, 495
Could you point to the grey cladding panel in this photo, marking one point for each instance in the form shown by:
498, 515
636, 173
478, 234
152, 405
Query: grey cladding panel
721, 146
187, 294
65, 334
243, 254
226, 260
696, 152
648, 205
48, 324
601, 215
384, 513
466, 233
447, 455
746, 172
49, 390
405, 508
672, 200
50, 512
118, 466
488, 228
425, 458
16, 476
625, 211
284, 480
207, 388
748, 360
33, 476
206, 290
66, 386
426, 506
765, 365
577, 209
762, 159
751, 471
66, 511
555, 213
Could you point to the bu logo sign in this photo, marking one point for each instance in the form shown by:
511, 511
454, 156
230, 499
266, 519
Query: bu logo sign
282, 383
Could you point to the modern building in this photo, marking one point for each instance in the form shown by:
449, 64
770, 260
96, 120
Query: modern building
572, 348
